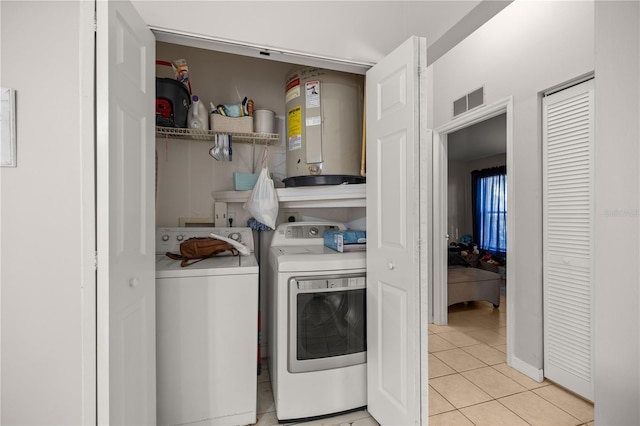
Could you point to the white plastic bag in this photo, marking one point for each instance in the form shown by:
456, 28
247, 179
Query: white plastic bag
263, 201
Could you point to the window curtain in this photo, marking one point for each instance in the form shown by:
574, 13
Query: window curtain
489, 209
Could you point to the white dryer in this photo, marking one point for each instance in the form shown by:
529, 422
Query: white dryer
206, 332
317, 323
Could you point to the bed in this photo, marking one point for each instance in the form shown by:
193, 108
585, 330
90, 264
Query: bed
465, 284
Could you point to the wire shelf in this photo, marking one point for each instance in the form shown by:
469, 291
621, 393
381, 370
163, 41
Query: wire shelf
208, 135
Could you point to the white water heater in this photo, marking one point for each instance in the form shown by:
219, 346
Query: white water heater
324, 127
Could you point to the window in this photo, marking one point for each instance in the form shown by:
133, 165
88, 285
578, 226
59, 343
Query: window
489, 192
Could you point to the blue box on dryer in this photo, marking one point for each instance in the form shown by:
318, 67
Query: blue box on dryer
346, 240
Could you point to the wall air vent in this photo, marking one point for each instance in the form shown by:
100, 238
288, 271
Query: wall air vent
468, 102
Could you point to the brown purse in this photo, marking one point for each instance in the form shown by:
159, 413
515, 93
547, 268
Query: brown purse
201, 248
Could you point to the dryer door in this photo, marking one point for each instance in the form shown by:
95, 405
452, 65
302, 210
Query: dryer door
327, 322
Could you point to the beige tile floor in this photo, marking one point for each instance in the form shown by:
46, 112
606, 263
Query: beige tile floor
469, 380
471, 384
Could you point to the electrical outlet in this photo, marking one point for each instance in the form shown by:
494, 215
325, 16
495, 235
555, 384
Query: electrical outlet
291, 217
231, 219
220, 214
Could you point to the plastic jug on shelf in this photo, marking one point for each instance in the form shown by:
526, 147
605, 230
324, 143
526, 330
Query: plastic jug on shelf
198, 118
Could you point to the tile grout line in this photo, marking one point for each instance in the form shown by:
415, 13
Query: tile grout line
519, 416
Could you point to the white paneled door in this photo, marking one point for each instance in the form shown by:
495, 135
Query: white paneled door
125, 89
568, 213
395, 326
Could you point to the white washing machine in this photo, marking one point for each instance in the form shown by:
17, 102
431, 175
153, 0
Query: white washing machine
317, 323
206, 332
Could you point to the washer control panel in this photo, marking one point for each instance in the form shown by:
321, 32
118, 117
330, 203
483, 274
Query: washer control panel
168, 239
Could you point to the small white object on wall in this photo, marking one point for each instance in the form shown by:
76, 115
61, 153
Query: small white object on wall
7, 127
220, 214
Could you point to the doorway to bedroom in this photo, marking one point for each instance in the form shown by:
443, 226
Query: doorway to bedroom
481, 139
477, 213
477, 238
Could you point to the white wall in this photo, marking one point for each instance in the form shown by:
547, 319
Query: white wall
617, 191
525, 49
43, 267
457, 202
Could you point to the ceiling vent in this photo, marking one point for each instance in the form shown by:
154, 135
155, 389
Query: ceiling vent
468, 102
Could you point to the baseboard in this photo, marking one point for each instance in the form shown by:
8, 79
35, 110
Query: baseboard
528, 370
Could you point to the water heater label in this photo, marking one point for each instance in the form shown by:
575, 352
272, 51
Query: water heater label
295, 143
294, 130
293, 89
312, 92
313, 121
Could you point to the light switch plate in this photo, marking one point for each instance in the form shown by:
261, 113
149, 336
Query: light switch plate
7, 127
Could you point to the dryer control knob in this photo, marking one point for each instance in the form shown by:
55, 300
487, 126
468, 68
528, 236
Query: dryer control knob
235, 236
313, 231
180, 237
165, 238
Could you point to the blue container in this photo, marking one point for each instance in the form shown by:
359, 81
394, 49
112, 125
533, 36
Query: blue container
346, 240
244, 181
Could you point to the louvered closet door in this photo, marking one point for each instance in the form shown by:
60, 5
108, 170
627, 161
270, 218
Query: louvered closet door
568, 224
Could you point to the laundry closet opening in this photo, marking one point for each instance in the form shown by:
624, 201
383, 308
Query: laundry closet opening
191, 185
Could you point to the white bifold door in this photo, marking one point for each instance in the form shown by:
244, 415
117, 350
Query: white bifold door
125, 167
568, 118
396, 327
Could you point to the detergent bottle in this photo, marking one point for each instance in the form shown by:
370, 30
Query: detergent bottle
197, 117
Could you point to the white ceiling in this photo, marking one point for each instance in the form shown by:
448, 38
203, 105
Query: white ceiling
358, 31
480, 140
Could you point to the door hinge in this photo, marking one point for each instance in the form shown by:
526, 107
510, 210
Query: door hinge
95, 260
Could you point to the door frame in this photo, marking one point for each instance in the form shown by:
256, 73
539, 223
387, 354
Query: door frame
88, 218
440, 179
